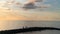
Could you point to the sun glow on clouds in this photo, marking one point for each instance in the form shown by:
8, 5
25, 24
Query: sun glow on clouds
2, 3
9, 15
6, 14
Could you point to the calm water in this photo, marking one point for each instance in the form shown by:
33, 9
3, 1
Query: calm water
43, 24
7, 25
19, 24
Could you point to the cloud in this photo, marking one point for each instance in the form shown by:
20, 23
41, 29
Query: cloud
2, 3
39, 0
42, 4
45, 6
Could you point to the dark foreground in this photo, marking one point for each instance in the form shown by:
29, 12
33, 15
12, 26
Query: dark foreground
30, 29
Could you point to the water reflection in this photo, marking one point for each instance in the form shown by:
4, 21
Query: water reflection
7, 25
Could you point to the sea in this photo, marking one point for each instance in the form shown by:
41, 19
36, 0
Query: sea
17, 24
43, 24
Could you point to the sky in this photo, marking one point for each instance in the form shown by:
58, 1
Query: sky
52, 12
55, 4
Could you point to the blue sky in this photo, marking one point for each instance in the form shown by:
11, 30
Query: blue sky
55, 4
49, 12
